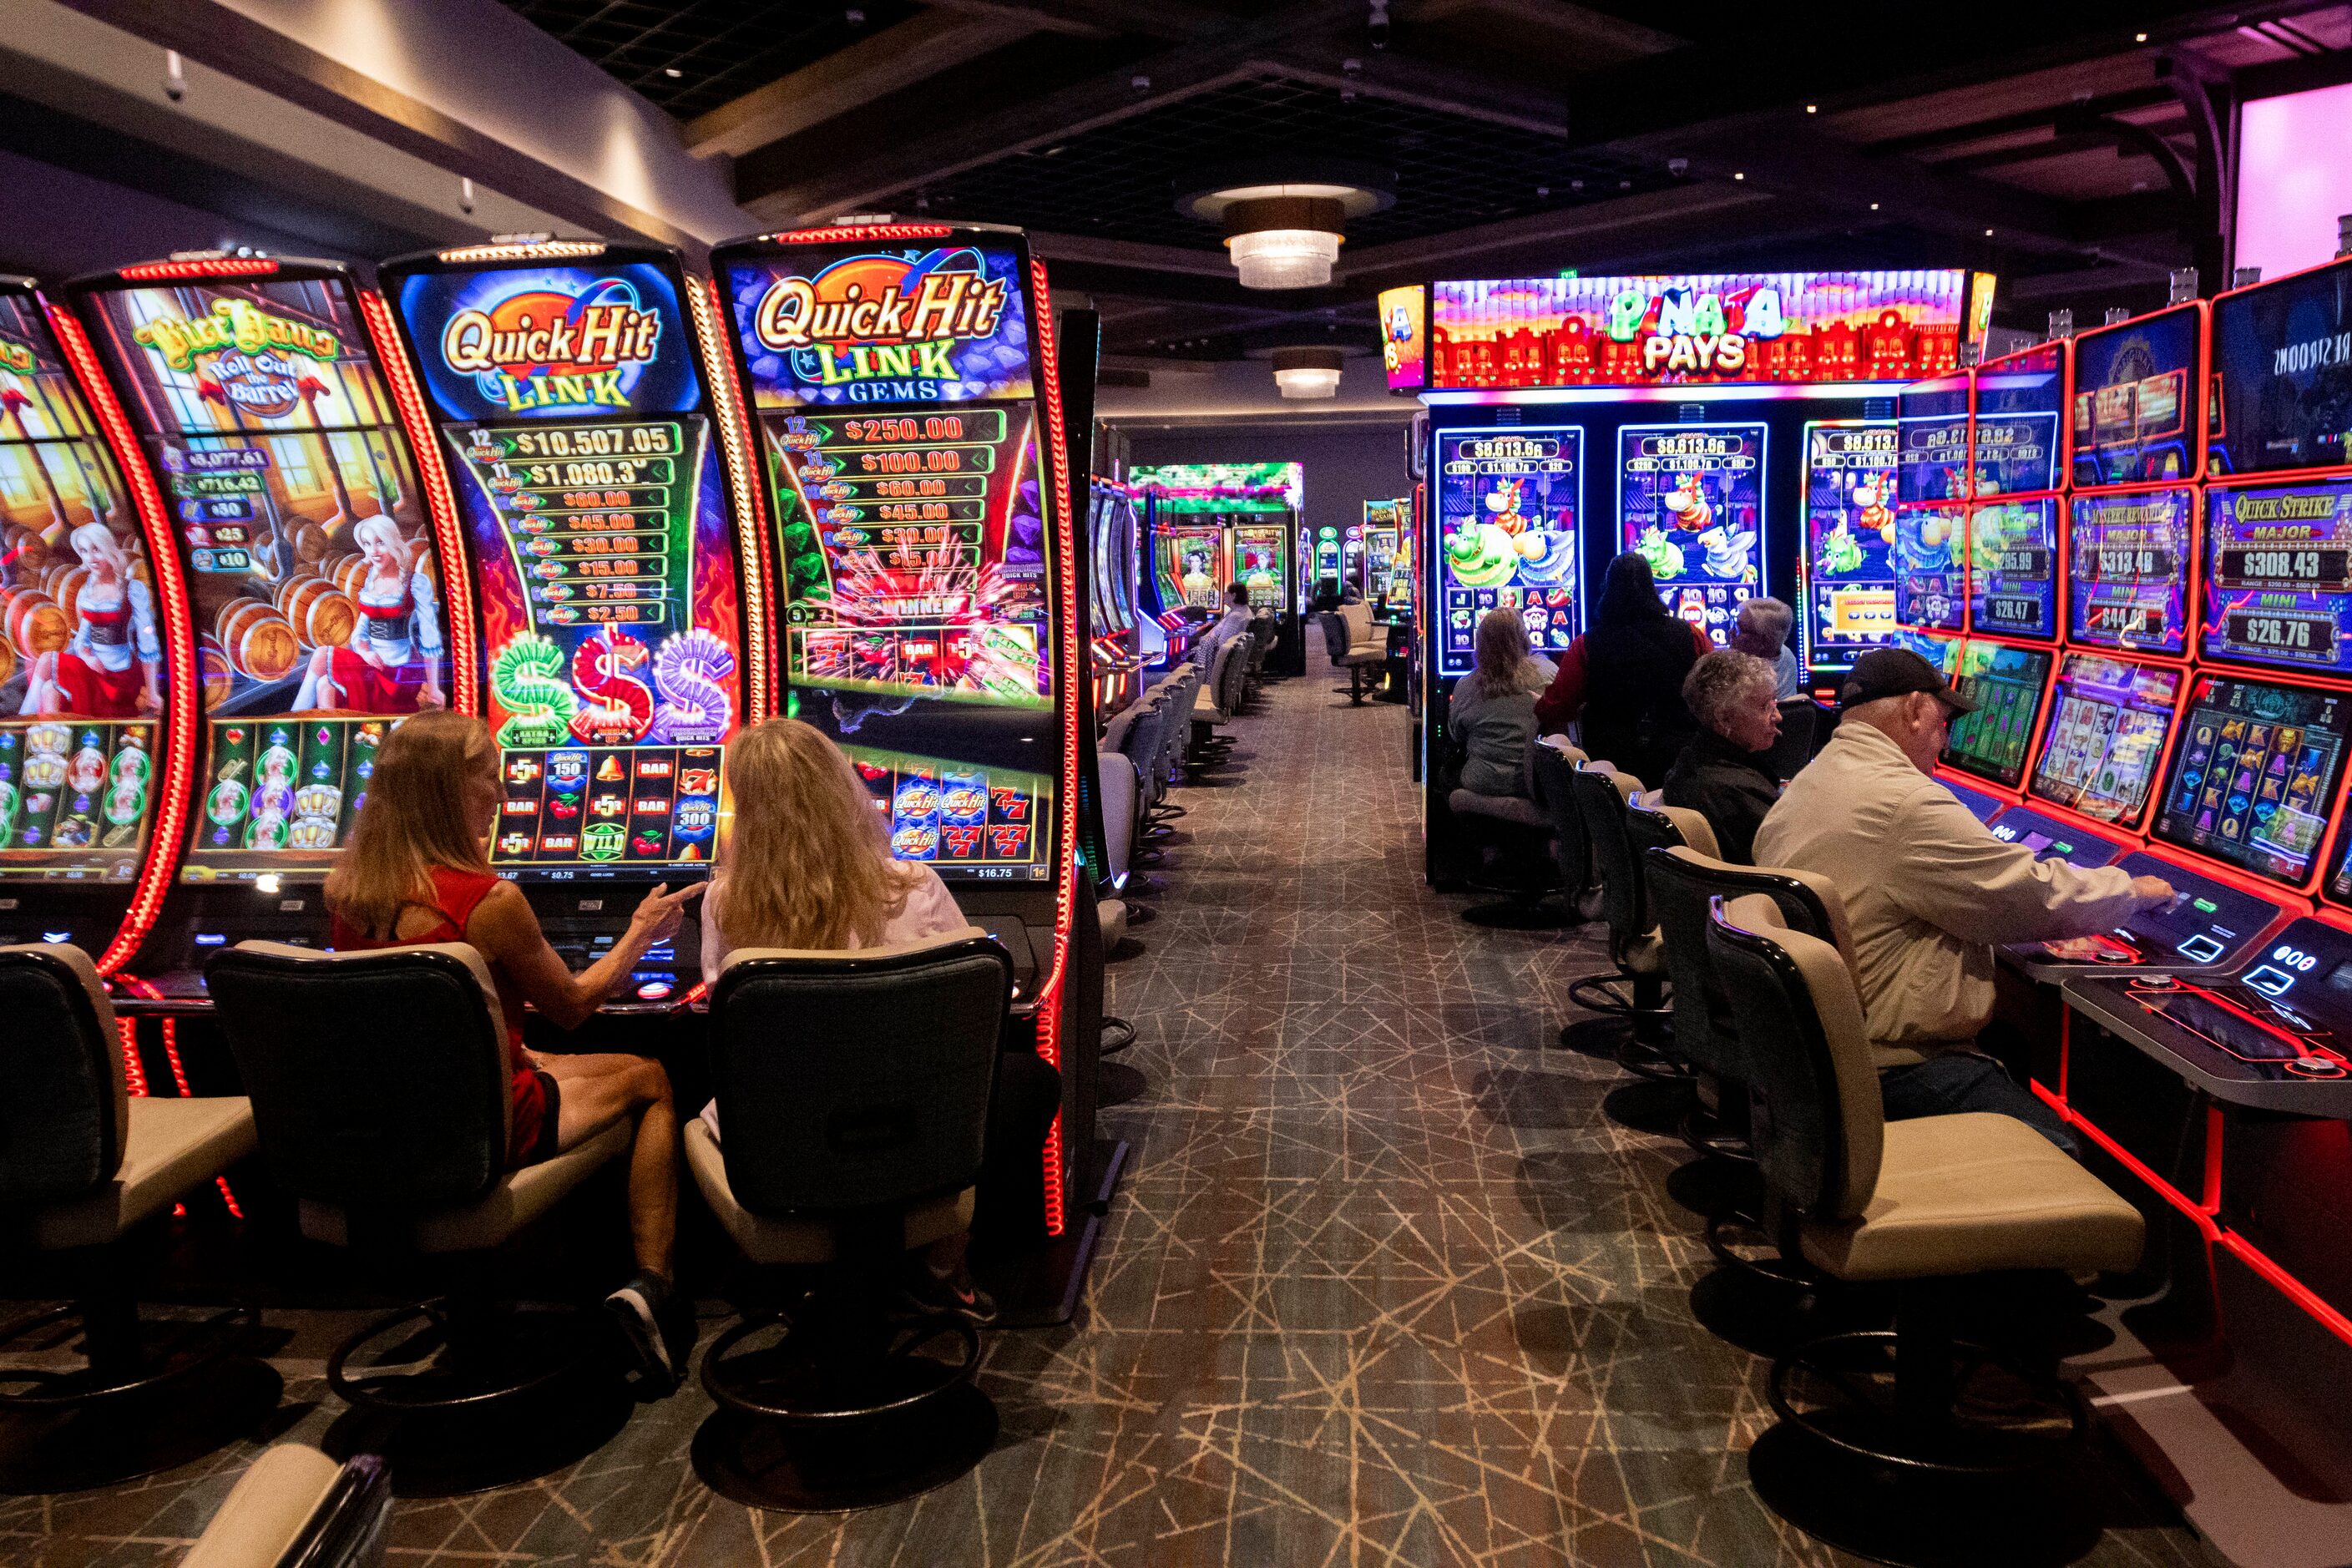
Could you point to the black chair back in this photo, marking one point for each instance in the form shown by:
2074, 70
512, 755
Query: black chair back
1682, 883
1795, 747
856, 1080
1232, 672
65, 1114
1624, 901
1817, 1124
1335, 635
380, 1079
1553, 775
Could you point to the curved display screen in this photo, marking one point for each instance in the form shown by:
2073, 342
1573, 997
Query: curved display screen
2105, 739
1508, 507
2255, 775
2278, 575
2135, 397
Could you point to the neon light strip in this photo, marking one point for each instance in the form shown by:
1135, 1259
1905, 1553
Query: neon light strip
860, 231
1692, 392
448, 532
166, 839
134, 1071
735, 441
1049, 994
210, 267
544, 249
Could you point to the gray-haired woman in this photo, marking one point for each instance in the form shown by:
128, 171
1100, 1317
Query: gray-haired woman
1721, 774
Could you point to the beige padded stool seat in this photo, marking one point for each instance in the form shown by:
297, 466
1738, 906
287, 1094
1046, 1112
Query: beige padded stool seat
1511, 808
268, 1510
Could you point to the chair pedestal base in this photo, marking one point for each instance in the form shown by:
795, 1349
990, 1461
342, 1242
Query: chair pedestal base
106, 1439
1921, 1520
454, 1453
764, 1463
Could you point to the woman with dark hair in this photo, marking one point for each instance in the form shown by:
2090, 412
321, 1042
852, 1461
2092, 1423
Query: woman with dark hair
1623, 678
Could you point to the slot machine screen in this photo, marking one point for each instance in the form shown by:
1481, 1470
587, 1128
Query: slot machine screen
1190, 560
1931, 421
2283, 379
913, 505
2106, 734
574, 419
2128, 570
2020, 401
1690, 499
2136, 390
1508, 505
1257, 561
82, 661
1930, 552
2278, 575
315, 590
2254, 775
2007, 684
2013, 568
1849, 539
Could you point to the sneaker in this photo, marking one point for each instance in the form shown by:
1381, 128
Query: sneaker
639, 1307
926, 1292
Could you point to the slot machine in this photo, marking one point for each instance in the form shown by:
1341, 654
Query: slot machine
1110, 595
1736, 431
1387, 559
1212, 524
931, 615
98, 731
609, 533
315, 562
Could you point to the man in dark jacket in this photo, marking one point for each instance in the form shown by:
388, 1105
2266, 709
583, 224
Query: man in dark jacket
1721, 772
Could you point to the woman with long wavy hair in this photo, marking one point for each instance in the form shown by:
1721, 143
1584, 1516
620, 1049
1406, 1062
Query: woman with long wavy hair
806, 864
415, 871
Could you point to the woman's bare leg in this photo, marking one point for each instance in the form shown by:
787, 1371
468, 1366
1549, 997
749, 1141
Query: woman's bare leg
600, 1088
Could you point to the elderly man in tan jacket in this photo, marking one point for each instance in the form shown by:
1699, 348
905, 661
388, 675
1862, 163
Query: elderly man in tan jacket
1929, 890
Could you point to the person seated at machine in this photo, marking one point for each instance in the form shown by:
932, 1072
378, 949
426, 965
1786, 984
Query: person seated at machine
415, 871
1722, 773
1494, 714
1624, 678
1227, 627
807, 866
1929, 892
1762, 629
1326, 597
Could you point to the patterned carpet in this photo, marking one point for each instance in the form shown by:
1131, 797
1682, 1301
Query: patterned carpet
1382, 1286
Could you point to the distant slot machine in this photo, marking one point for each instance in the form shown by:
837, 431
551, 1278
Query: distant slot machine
316, 555
1738, 432
1214, 524
1388, 558
931, 616
98, 724
570, 384
1110, 598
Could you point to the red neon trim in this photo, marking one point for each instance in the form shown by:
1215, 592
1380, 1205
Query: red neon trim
214, 267
2214, 1124
177, 765
864, 231
441, 502
2197, 1214
171, 1054
1067, 698
2287, 1285
134, 1071
740, 455
2200, 384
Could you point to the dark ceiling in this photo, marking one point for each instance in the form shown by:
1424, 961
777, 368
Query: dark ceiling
2077, 149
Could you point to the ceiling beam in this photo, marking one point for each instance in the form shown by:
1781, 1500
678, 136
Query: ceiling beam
896, 57
1131, 254
1400, 78
1228, 54
1176, 21
1565, 232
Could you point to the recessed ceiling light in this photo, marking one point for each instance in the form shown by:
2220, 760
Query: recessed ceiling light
2139, 37
1874, 207
1988, 234
672, 71
1813, 108
1738, 175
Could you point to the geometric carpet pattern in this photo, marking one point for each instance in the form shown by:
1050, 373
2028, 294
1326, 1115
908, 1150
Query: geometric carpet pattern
1381, 1286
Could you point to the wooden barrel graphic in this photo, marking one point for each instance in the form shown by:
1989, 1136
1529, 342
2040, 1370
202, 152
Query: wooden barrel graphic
212, 670
257, 639
29, 550
33, 621
66, 584
321, 615
317, 541
347, 573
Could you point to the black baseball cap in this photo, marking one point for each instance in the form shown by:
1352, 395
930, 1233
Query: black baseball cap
1896, 672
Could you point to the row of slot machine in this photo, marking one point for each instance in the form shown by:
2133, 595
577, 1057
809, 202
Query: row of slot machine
255, 513
1388, 570
1212, 524
2133, 547
1113, 532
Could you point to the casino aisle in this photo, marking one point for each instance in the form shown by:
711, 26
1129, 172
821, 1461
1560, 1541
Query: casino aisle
1382, 1284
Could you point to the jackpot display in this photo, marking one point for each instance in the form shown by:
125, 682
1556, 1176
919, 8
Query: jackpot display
2255, 775
2108, 721
576, 424
1929, 558
1388, 555
319, 599
1690, 500
1216, 523
2278, 575
895, 404
2137, 389
2015, 437
1508, 506
1931, 462
82, 680
1846, 564
2281, 366
2128, 569
2013, 568
2006, 684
